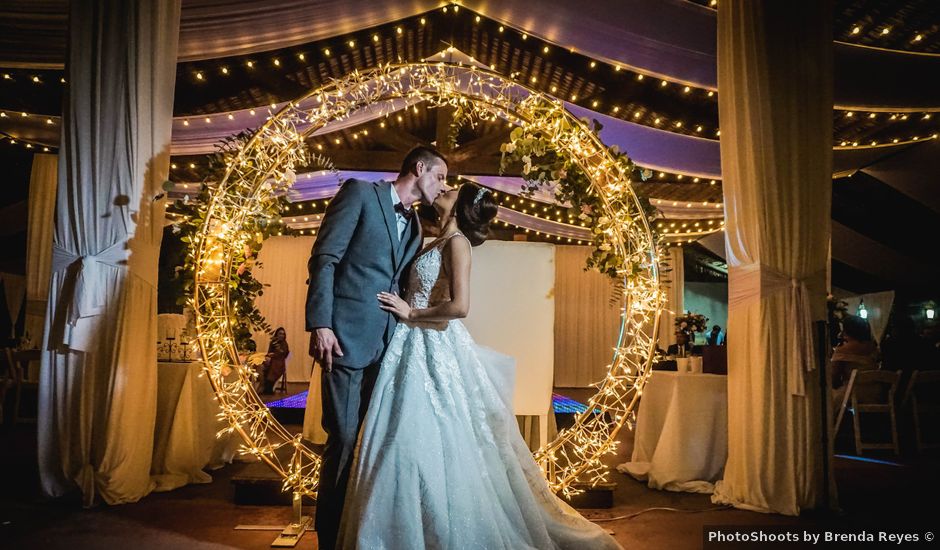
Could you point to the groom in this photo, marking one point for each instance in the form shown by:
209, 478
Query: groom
369, 233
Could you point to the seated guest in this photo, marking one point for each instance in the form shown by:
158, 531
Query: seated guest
714, 337
857, 351
682, 347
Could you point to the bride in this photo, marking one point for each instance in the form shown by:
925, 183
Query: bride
441, 463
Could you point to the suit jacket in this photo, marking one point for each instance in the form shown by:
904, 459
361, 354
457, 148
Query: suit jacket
358, 254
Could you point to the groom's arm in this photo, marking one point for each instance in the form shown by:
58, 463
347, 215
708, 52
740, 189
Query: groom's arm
336, 231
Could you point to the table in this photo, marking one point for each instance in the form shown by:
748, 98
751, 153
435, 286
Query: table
184, 435
681, 437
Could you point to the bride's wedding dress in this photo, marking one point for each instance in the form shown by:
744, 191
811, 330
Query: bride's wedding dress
441, 462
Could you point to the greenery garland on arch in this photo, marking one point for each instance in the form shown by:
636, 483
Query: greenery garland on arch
544, 167
244, 288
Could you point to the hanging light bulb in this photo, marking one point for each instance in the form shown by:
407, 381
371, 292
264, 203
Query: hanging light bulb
862, 311
930, 312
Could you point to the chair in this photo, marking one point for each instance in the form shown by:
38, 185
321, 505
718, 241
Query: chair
871, 392
923, 395
283, 380
19, 364
7, 379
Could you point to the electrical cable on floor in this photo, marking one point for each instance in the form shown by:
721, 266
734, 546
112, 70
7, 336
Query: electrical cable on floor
661, 508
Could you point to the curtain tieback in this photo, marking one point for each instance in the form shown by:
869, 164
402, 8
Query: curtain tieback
85, 288
753, 282
84, 291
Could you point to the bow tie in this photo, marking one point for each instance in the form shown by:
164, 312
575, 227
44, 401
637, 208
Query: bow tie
407, 213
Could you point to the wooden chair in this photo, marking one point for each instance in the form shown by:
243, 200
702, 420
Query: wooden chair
19, 362
282, 383
7, 378
923, 396
871, 392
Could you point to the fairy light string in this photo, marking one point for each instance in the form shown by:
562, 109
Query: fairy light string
266, 165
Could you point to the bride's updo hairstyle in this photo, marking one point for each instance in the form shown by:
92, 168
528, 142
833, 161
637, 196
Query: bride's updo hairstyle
475, 209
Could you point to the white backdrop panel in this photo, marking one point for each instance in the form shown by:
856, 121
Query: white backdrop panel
512, 310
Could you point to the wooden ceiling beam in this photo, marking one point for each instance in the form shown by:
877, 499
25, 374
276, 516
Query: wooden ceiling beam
482, 146
397, 139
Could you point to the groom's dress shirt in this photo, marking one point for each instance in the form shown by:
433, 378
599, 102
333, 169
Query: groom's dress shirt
399, 217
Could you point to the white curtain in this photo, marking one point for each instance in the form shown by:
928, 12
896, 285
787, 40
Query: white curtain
284, 270
878, 305
775, 105
98, 377
586, 321
674, 286
42, 190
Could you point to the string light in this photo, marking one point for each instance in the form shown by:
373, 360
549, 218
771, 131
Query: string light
577, 452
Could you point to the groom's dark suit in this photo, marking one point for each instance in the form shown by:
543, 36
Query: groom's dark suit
357, 255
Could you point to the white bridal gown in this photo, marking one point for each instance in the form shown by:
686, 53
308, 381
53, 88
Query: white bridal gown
441, 462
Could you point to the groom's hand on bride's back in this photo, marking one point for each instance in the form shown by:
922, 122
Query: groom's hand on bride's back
323, 346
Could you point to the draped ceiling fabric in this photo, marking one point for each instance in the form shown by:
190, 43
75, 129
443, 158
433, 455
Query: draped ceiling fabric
775, 73
651, 148
669, 38
42, 191
98, 378
878, 305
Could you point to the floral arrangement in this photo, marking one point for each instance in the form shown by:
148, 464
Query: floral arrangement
536, 148
691, 322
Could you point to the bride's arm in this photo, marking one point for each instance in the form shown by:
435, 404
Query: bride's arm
457, 266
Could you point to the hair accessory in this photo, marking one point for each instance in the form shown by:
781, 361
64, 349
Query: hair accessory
479, 195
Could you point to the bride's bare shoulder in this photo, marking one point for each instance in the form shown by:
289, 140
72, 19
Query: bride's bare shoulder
457, 246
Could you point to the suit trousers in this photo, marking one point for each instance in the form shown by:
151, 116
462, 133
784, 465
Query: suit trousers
346, 395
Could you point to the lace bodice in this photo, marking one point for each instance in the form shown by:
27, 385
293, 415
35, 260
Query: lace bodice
428, 285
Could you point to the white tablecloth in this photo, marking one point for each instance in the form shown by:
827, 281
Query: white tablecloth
186, 426
681, 439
